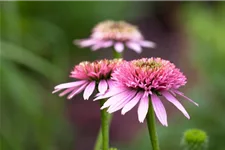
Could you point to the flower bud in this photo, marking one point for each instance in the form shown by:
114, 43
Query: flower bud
194, 139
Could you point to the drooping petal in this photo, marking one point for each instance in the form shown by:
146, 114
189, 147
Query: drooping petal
111, 88
57, 90
67, 91
119, 47
110, 93
134, 46
107, 44
132, 103
70, 84
114, 99
182, 94
172, 92
85, 42
122, 102
77, 91
148, 44
89, 90
96, 47
143, 109
176, 103
102, 86
111, 84
159, 109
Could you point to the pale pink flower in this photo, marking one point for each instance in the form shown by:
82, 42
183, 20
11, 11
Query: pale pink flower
115, 33
138, 80
88, 75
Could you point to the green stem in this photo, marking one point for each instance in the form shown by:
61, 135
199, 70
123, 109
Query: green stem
98, 142
152, 126
117, 55
103, 134
105, 127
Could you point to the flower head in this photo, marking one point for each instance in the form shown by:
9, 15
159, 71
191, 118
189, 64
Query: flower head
140, 79
115, 33
88, 75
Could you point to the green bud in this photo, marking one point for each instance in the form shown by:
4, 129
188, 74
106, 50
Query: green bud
194, 139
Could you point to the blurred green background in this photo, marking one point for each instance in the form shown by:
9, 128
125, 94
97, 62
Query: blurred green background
37, 53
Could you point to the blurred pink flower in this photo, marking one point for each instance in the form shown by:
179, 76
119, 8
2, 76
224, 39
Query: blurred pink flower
140, 79
115, 33
89, 74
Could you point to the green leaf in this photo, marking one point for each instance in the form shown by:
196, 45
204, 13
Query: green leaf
23, 56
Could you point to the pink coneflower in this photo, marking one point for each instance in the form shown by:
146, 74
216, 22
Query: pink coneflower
115, 33
89, 74
140, 79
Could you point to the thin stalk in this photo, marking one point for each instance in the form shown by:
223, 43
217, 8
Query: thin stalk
103, 134
117, 55
105, 127
98, 143
152, 127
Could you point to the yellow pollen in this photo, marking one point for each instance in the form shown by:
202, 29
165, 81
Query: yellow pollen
149, 64
117, 30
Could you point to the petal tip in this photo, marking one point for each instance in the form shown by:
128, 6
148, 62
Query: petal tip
142, 121
154, 45
54, 92
75, 42
187, 116
97, 98
139, 52
123, 112
103, 107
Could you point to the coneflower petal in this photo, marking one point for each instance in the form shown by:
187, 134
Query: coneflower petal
182, 94
143, 109
114, 99
89, 90
85, 42
175, 102
57, 90
119, 47
77, 91
109, 93
107, 44
97, 46
70, 84
134, 46
147, 44
132, 103
67, 91
159, 109
122, 102
102, 86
